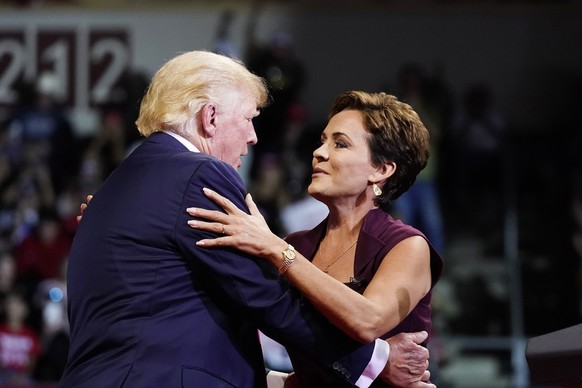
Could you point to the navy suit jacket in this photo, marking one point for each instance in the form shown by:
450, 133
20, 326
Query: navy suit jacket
149, 308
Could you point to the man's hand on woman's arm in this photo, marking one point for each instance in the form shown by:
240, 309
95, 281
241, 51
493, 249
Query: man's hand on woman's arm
408, 361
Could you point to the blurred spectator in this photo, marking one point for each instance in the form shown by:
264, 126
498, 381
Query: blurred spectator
34, 179
222, 43
285, 75
7, 280
41, 126
104, 151
50, 300
269, 190
303, 211
479, 132
134, 83
110, 141
40, 255
281, 123
67, 207
9, 152
420, 206
27, 189
25, 182
303, 214
8, 200
19, 344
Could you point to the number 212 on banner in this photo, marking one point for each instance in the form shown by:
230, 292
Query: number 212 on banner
87, 66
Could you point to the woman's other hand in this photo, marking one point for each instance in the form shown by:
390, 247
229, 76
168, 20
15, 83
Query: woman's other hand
84, 207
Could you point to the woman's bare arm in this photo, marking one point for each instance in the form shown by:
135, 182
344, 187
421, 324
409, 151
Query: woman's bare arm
401, 281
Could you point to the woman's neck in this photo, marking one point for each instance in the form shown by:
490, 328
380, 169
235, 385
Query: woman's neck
344, 223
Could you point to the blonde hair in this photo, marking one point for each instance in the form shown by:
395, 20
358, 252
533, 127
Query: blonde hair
184, 84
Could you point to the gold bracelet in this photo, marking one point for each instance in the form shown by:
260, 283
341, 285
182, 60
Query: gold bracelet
289, 254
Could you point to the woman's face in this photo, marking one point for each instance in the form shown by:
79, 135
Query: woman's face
341, 164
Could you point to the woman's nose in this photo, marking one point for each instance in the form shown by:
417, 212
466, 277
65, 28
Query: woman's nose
320, 152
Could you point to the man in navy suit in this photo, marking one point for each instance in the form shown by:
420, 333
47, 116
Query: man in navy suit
147, 307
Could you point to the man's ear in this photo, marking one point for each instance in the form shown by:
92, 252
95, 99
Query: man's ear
208, 119
383, 172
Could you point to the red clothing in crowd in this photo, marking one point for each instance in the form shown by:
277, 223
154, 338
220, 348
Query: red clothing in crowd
18, 348
42, 258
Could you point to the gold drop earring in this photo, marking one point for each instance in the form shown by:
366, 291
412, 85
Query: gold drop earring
377, 190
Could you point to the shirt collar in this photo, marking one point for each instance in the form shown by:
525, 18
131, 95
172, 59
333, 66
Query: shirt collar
186, 143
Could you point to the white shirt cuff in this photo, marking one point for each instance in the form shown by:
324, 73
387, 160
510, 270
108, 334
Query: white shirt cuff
276, 379
376, 364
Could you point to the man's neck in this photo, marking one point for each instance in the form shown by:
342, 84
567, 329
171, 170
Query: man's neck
184, 141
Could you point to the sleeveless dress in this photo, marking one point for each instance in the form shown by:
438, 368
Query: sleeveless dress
380, 233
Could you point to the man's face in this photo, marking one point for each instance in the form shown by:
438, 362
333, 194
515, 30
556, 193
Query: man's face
234, 128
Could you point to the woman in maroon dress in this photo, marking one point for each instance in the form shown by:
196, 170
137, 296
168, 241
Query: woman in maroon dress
371, 151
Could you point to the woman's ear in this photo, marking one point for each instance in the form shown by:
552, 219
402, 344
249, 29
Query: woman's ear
208, 119
383, 172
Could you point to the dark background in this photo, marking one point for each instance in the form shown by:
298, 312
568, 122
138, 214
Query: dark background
512, 226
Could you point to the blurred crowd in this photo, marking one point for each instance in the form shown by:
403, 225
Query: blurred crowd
47, 167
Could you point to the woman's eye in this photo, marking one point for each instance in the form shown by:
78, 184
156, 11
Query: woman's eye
340, 144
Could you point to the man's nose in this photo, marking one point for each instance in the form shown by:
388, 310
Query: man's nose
253, 136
